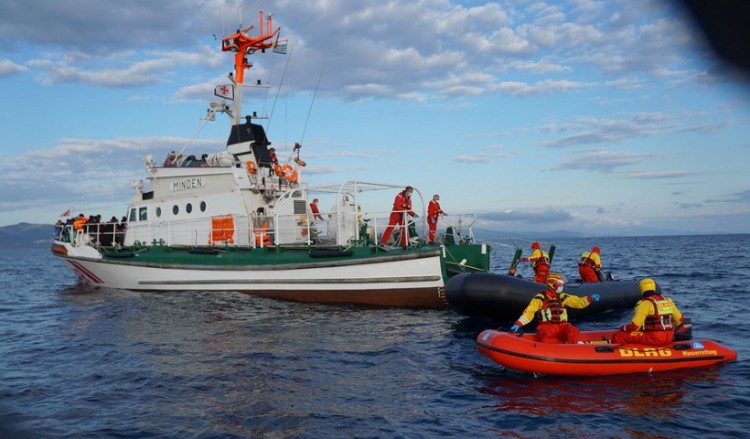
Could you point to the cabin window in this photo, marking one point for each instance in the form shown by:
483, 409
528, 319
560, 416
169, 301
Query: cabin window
143, 214
175, 209
158, 212
189, 208
203, 206
133, 216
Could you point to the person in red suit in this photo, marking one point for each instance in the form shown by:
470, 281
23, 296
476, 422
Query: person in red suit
539, 263
590, 266
401, 206
548, 307
433, 212
654, 319
315, 211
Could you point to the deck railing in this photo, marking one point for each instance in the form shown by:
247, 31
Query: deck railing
343, 228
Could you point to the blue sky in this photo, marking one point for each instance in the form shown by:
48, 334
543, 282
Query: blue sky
603, 117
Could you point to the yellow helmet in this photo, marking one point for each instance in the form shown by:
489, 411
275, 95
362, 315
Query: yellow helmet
646, 285
555, 280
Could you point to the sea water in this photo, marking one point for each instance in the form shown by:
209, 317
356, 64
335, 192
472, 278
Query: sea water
91, 363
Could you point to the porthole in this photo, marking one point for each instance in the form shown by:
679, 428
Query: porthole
175, 209
158, 212
203, 206
189, 208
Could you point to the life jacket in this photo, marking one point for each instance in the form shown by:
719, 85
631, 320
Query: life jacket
79, 223
552, 310
661, 320
586, 260
541, 261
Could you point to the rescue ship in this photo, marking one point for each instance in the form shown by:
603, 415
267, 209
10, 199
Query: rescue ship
596, 355
240, 220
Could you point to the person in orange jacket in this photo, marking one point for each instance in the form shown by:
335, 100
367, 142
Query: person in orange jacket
79, 222
433, 212
654, 319
590, 266
539, 263
401, 206
549, 309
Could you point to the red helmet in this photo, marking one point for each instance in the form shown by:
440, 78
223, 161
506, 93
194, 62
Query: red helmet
534, 245
595, 250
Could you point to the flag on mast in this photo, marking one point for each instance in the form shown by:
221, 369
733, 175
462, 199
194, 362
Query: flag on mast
66, 213
225, 91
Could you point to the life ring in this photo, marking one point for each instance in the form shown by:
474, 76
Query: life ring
251, 168
289, 173
277, 169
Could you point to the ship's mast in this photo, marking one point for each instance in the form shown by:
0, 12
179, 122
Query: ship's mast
243, 45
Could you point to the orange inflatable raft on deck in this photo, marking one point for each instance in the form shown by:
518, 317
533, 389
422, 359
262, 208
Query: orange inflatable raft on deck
597, 356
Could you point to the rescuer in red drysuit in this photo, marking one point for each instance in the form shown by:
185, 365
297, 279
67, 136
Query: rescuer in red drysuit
654, 319
549, 308
590, 266
539, 263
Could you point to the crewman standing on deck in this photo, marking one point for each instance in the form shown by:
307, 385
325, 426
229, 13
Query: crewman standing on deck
433, 213
401, 207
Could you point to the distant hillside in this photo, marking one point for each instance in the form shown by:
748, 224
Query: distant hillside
26, 235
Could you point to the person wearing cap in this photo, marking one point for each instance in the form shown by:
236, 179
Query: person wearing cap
539, 263
654, 319
590, 266
549, 309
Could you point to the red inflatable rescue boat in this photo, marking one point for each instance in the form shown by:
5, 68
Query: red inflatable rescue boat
597, 356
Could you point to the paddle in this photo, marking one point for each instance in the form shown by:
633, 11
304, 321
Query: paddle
514, 262
551, 253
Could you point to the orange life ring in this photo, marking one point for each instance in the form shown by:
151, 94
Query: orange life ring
251, 168
277, 169
289, 173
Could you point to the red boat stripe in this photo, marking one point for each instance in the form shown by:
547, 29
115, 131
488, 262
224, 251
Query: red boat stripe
86, 273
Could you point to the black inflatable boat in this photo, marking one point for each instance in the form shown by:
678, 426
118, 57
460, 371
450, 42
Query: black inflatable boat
503, 297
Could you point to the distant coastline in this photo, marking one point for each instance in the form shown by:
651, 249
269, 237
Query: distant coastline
26, 235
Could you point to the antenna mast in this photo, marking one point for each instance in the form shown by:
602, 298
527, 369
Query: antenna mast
243, 45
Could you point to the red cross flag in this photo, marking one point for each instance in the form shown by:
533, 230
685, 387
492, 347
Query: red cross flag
224, 91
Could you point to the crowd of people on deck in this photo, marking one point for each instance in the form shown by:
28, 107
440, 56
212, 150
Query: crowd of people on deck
107, 234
